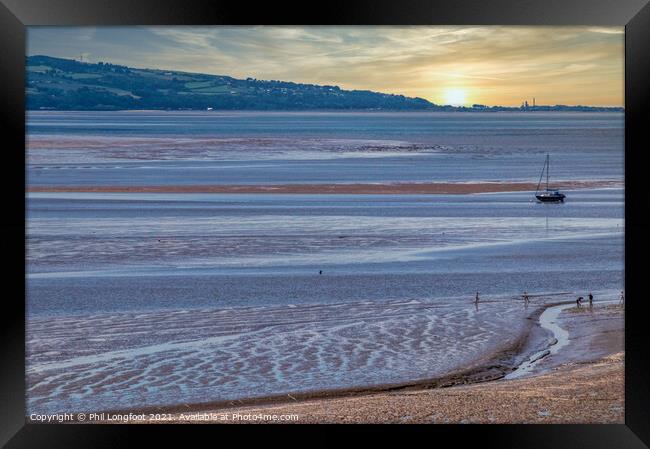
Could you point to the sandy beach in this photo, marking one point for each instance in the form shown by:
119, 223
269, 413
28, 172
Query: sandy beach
577, 393
370, 189
581, 383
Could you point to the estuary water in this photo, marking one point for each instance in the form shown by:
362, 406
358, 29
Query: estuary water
139, 299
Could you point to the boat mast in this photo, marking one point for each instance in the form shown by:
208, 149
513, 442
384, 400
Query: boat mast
548, 169
541, 176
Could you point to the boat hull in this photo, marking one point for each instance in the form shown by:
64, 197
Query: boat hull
550, 199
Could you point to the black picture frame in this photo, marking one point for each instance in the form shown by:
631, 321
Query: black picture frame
16, 15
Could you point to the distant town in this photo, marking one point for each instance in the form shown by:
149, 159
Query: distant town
68, 84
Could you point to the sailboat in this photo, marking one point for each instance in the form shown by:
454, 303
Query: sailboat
548, 195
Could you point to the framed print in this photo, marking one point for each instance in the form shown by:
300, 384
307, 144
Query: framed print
416, 215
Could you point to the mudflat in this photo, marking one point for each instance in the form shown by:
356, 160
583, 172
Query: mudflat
584, 390
359, 189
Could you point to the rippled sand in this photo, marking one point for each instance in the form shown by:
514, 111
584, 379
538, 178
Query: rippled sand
573, 389
128, 360
574, 394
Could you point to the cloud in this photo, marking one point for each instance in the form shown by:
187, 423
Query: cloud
608, 30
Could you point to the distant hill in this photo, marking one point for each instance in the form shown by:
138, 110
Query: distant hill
72, 85
66, 84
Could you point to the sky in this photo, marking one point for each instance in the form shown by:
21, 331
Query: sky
459, 65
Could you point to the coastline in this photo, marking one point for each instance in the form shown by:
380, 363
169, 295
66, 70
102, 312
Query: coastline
587, 393
445, 109
359, 189
563, 389
491, 367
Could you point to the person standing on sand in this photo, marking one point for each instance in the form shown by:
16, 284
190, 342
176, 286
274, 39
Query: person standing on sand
591, 300
526, 299
621, 300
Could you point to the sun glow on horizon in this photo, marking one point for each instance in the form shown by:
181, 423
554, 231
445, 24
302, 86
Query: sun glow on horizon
455, 96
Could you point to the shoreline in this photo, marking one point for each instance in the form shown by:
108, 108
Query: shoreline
588, 373
490, 368
463, 109
578, 390
441, 188
547, 320
577, 393
562, 381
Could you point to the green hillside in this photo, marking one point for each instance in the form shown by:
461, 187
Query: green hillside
64, 84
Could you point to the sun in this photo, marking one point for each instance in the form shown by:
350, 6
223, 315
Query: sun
455, 97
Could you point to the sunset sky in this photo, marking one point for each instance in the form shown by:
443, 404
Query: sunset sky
444, 64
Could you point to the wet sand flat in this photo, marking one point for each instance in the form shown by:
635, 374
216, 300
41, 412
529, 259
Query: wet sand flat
378, 189
579, 391
593, 333
575, 393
